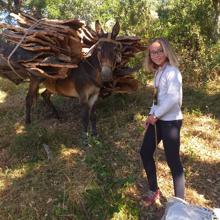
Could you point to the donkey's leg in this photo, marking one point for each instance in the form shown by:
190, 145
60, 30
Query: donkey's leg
46, 96
85, 121
31, 95
92, 104
85, 116
93, 120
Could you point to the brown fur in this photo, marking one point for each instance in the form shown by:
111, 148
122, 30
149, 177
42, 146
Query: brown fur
83, 82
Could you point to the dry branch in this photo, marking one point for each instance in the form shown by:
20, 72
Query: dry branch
50, 48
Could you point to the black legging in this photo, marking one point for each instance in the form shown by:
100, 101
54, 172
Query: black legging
169, 133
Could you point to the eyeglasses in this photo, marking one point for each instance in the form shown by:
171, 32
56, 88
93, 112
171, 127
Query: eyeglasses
156, 52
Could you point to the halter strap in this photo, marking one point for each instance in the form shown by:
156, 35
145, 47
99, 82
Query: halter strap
90, 51
109, 40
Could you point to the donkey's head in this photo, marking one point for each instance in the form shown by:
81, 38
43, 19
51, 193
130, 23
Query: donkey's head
108, 51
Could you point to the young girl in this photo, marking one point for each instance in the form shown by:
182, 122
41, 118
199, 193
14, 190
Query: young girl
166, 115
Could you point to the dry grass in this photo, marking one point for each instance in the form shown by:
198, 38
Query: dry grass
106, 180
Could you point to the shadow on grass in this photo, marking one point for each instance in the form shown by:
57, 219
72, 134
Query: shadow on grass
78, 183
198, 101
96, 183
201, 176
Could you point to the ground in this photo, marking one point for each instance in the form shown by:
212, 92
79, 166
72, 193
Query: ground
106, 180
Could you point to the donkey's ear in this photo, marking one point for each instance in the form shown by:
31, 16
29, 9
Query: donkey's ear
115, 30
98, 28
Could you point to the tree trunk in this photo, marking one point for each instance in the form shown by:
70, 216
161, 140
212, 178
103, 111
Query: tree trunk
216, 25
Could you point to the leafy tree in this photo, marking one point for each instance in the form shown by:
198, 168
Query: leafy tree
193, 26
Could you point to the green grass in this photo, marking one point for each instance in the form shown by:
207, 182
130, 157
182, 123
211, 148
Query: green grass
106, 180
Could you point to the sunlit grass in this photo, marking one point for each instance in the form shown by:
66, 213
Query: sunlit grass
201, 134
3, 96
213, 87
70, 152
124, 213
8, 175
19, 128
196, 198
106, 180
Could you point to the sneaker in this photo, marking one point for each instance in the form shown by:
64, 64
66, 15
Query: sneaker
151, 197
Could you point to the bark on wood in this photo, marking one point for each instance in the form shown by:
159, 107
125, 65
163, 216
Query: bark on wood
51, 48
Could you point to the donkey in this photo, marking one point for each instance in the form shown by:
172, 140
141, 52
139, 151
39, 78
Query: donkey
85, 81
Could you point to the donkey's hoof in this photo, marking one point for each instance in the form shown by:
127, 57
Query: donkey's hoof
85, 139
86, 144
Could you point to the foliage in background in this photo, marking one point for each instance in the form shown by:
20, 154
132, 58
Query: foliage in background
191, 25
105, 181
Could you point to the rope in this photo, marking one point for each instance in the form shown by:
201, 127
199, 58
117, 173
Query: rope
90, 51
111, 41
156, 146
16, 47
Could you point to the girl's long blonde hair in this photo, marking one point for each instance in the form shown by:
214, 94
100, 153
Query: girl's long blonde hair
149, 66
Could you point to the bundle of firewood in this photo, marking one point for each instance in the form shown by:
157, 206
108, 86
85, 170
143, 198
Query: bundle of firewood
49, 48
46, 48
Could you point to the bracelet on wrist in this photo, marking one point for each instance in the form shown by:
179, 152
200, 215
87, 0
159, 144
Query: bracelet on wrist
154, 116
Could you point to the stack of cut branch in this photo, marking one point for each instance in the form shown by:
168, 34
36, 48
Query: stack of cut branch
124, 82
50, 48
130, 47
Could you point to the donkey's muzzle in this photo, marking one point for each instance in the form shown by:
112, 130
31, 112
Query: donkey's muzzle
106, 74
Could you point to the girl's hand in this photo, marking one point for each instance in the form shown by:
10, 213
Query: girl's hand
152, 119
